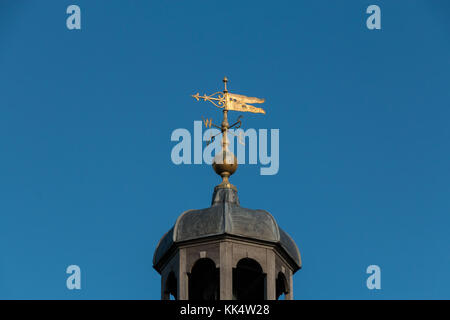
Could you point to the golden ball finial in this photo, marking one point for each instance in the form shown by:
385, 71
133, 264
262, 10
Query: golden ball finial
225, 164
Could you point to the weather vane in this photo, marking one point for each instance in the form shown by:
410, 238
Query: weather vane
225, 162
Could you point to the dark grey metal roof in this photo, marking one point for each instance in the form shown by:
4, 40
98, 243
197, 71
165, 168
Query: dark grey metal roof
226, 216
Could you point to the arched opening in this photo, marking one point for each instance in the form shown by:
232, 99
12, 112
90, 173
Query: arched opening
170, 289
248, 280
281, 286
204, 281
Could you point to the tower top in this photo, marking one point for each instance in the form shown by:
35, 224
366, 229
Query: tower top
226, 217
226, 251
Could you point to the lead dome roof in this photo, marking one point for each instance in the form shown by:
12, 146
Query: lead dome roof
227, 217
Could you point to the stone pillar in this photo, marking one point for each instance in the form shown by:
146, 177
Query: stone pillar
290, 294
183, 278
270, 276
163, 288
226, 271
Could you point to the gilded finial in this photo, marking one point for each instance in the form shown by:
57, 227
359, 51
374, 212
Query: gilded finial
225, 80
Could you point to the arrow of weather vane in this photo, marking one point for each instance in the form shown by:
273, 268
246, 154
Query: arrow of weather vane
231, 101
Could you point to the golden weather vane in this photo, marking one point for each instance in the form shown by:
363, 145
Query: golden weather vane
225, 163
231, 101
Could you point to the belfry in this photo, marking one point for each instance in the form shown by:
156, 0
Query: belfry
225, 251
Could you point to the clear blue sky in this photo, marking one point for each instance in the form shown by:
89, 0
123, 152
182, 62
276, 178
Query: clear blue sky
86, 118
